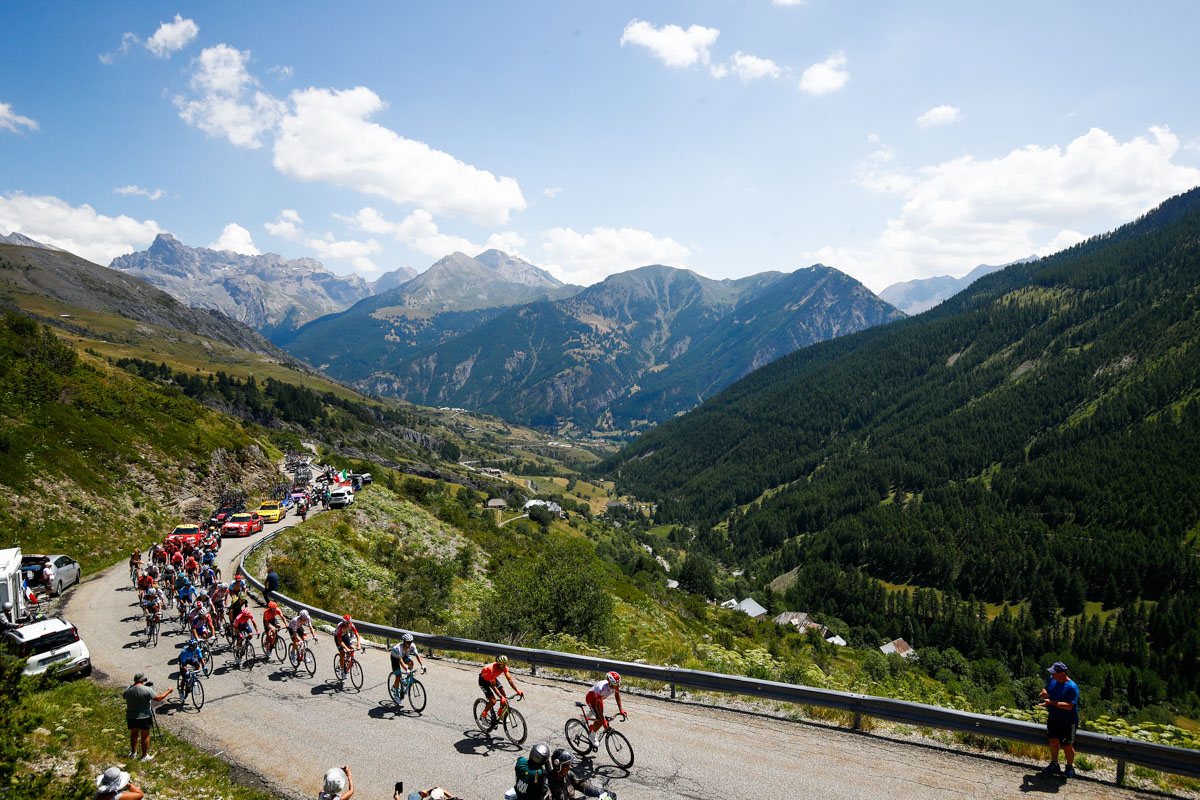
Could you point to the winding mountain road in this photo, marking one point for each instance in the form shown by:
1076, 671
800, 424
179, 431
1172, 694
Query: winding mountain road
291, 728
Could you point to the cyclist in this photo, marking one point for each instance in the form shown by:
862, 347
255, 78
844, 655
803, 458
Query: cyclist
341, 637
238, 584
209, 557
208, 575
298, 624
135, 561
151, 605
217, 594
186, 594
191, 567
532, 782
274, 617
144, 582
244, 623
157, 554
564, 784
402, 654
191, 655
168, 577
489, 681
176, 559
595, 698
200, 621
236, 604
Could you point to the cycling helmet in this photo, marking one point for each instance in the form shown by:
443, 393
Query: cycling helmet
346, 617
539, 755
199, 603
203, 593
503, 660
272, 605
192, 642
335, 781
303, 613
614, 679
560, 758
406, 638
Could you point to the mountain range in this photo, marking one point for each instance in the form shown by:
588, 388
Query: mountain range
632, 350
913, 297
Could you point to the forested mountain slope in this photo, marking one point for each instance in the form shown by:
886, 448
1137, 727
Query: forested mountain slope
1035, 438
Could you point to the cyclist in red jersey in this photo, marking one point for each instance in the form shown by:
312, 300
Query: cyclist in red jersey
595, 699
341, 637
489, 682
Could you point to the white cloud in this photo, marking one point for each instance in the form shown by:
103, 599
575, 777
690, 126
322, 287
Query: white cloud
227, 102
509, 241
79, 229
236, 238
748, 67
284, 73
825, 77
172, 37
1036, 199
552, 192
327, 137
788, 2
289, 226
939, 115
672, 44
364, 264
12, 121
417, 230
127, 41
137, 190
586, 258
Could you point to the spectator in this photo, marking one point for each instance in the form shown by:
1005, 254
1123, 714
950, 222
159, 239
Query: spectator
272, 584
338, 784
114, 785
48, 575
436, 793
1061, 700
139, 714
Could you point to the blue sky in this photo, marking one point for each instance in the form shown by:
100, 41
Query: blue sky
892, 141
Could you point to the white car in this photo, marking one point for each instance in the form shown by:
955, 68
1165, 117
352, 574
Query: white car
341, 497
49, 643
67, 571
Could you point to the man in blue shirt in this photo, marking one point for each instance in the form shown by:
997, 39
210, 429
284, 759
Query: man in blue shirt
1060, 697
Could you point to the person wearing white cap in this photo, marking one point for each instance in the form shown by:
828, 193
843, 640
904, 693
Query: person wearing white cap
338, 784
114, 785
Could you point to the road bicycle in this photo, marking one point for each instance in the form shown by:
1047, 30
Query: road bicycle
578, 738
243, 652
272, 642
190, 685
302, 655
410, 687
152, 631
501, 714
135, 572
352, 669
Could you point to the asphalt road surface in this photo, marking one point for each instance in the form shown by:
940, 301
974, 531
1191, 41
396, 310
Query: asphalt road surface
290, 728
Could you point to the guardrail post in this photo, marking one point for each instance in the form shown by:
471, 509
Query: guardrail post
1120, 772
858, 720
533, 669
672, 691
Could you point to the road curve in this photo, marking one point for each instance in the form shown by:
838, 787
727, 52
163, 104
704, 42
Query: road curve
291, 728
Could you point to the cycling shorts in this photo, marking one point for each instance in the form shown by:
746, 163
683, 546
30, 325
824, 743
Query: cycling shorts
490, 689
398, 665
345, 640
596, 702
201, 629
245, 628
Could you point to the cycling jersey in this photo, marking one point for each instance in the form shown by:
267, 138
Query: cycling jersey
187, 593
244, 616
298, 623
190, 655
271, 614
404, 650
344, 629
145, 581
177, 558
492, 672
602, 690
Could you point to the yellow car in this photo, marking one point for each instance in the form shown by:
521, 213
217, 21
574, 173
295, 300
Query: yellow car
271, 512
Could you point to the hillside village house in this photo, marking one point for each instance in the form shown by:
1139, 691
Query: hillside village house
748, 607
903, 648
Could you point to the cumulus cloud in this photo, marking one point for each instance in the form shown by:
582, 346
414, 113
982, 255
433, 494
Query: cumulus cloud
79, 229
14, 122
172, 37
289, 226
226, 100
748, 67
133, 189
236, 238
586, 258
967, 211
825, 77
328, 137
420, 232
672, 44
128, 40
939, 115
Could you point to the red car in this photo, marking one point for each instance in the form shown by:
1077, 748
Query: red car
185, 534
242, 524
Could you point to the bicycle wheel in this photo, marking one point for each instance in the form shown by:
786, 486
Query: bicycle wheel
480, 704
181, 685
154, 634
293, 656
356, 674
619, 749
514, 726
264, 642
577, 736
206, 654
416, 696
280, 649
395, 696
310, 663
197, 694
339, 674
248, 659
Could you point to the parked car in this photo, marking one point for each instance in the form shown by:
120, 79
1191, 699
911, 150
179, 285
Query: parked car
242, 525
363, 477
271, 511
340, 497
222, 514
66, 571
185, 534
49, 643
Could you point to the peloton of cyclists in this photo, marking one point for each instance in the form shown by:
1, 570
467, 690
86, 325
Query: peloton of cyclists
489, 682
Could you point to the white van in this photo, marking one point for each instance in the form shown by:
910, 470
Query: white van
341, 497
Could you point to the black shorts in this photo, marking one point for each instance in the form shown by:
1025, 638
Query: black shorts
1063, 731
489, 690
397, 664
346, 640
143, 724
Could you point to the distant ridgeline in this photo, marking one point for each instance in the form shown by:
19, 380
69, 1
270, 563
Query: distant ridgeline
1034, 440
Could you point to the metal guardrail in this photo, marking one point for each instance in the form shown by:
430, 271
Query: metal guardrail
1164, 758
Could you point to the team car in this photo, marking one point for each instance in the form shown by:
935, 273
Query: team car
222, 514
271, 511
242, 524
185, 534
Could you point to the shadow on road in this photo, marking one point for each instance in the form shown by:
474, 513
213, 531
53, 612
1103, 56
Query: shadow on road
1042, 783
475, 743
